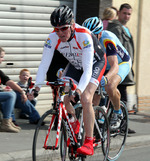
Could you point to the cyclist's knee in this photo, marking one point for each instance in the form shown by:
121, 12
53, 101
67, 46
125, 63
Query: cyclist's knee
66, 99
110, 89
86, 99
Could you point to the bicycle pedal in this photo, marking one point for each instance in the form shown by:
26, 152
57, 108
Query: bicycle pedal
51, 148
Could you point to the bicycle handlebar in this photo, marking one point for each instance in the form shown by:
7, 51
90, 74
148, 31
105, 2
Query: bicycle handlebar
57, 83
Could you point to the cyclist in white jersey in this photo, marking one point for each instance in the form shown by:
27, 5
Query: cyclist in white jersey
118, 64
87, 64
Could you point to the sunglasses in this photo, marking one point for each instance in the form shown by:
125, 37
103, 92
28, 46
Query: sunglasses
64, 28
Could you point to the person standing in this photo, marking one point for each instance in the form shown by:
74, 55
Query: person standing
120, 29
108, 15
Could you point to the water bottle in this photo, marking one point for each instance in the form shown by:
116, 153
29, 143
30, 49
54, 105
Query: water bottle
101, 118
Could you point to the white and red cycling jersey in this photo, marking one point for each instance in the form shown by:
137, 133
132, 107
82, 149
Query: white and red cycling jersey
82, 51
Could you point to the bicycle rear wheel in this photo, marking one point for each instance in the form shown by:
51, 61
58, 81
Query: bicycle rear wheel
48, 152
118, 136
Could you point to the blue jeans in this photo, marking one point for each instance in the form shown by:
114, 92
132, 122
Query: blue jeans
7, 100
27, 108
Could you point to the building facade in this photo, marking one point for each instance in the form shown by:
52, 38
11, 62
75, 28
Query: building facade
25, 25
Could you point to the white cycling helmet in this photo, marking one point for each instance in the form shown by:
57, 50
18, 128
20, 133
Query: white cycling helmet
94, 24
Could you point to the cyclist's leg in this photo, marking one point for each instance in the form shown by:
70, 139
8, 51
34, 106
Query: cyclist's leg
88, 112
111, 87
88, 119
113, 92
96, 99
71, 72
69, 107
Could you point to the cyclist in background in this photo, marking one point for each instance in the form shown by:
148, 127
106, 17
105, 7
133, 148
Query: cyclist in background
118, 65
87, 64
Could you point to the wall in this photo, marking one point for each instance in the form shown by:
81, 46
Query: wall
139, 26
144, 56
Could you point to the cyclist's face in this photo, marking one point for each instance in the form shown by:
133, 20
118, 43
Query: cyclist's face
2, 56
124, 15
64, 32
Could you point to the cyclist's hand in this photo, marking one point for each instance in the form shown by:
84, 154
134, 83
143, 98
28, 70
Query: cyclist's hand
35, 93
76, 96
59, 73
103, 81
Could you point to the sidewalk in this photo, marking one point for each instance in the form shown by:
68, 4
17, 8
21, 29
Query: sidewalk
14, 147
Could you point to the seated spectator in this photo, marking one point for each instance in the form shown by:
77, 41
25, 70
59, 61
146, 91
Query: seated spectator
8, 98
23, 83
27, 108
109, 14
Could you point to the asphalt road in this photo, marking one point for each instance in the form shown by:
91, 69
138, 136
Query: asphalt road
16, 147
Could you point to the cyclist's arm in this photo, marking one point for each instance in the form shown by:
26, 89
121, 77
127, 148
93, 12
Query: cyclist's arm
47, 56
87, 64
112, 60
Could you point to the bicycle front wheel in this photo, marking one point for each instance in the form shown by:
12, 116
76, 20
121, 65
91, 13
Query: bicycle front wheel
118, 137
45, 138
72, 150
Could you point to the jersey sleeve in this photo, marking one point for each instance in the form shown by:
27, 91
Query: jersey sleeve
87, 61
47, 56
110, 47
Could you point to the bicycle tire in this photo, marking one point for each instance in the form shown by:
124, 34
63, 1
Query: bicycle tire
101, 152
38, 150
78, 112
63, 143
118, 138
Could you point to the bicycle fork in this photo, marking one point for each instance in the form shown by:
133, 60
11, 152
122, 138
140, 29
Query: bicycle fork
58, 130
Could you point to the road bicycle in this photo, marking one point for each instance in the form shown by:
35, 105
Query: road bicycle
46, 142
117, 136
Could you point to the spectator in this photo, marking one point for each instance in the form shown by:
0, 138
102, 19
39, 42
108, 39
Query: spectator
23, 83
27, 108
108, 14
7, 99
119, 28
116, 10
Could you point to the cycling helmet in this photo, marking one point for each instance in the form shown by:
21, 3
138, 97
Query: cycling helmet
61, 16
94, 24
